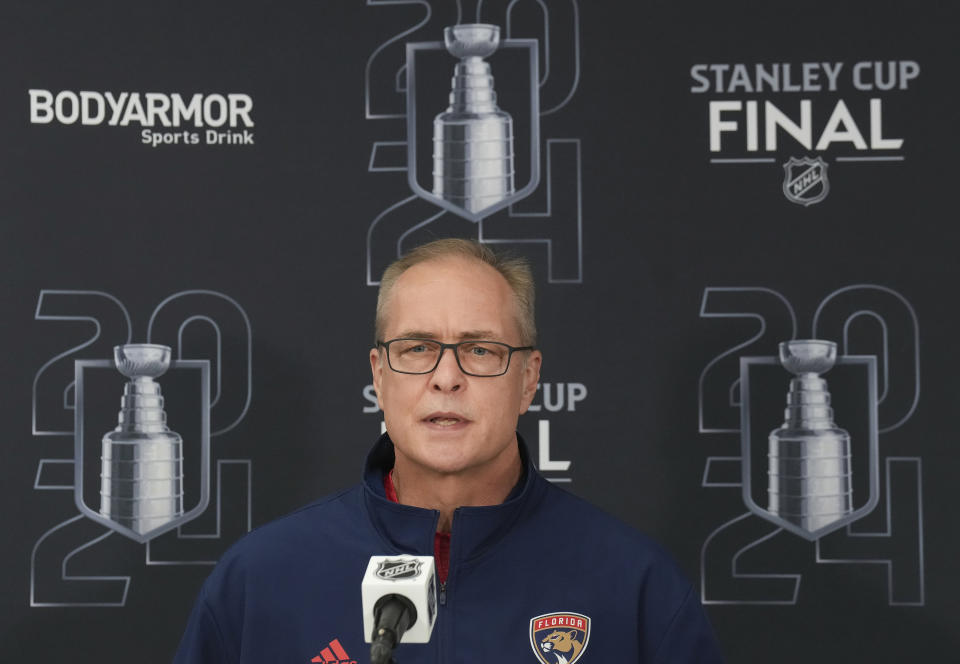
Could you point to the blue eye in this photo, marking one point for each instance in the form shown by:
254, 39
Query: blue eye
483, 350
414, 347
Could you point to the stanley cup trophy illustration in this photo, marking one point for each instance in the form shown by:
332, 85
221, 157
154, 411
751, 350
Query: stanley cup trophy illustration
141, 480
809, 462
473, 138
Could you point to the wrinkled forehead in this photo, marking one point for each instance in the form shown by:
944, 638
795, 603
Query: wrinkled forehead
450, 297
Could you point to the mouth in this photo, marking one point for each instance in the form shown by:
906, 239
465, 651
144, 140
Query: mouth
446, 420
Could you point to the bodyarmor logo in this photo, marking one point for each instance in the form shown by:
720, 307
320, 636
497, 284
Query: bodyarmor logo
392, 570
805, 180
228, 118
559, 638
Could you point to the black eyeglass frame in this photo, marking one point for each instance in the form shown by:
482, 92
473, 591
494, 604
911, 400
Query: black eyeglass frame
456, 354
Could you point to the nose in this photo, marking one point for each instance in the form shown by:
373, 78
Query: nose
447, 377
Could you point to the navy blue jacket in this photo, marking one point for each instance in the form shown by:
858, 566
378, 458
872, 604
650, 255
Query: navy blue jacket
544, 566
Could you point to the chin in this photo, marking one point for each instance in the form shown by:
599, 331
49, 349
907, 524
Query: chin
439, 456
448, 469
445, 461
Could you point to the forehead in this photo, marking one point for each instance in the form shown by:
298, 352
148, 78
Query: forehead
451, 296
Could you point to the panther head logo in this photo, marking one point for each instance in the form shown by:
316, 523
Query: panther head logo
564, 646
560, 637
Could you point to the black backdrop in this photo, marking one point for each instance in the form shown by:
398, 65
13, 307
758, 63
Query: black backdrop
662, 266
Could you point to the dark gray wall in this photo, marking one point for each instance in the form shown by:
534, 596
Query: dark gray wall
660, 265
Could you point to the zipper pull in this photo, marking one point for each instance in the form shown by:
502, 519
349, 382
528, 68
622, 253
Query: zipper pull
443, 593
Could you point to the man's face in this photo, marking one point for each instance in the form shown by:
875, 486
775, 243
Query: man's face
447, 421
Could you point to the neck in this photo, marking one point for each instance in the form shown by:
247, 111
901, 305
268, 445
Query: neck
489, 484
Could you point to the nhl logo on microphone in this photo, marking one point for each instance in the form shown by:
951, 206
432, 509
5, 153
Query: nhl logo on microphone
396, 569
559, 638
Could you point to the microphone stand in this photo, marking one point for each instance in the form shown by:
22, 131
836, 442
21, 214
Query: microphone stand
393, 615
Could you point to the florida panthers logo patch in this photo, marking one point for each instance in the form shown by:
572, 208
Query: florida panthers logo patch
559, 638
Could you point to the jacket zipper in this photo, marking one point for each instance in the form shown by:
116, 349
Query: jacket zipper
442, 601
443, 594
443, 624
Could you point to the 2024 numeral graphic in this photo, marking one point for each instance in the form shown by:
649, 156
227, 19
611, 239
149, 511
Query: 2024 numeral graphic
865, 319
196, 324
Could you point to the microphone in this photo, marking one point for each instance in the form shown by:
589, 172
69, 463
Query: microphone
399, 596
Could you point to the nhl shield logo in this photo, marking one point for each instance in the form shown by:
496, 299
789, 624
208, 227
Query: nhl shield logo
559, 638
805, 181
400, 568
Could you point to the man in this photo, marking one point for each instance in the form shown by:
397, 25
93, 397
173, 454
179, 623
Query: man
528, 572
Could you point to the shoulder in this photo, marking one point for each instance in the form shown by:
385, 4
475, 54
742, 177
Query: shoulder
559, 506
638, 570
586, 536
288, 537
263, 572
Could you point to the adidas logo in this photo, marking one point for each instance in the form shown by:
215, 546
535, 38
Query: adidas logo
334, 654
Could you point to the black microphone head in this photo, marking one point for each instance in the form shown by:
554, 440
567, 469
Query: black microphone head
396, 612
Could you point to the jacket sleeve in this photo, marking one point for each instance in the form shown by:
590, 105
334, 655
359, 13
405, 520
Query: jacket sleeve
202, 641
689, 638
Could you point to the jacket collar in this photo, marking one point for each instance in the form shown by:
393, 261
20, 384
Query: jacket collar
406, 529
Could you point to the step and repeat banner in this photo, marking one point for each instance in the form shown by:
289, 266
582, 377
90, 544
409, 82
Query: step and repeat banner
740, 219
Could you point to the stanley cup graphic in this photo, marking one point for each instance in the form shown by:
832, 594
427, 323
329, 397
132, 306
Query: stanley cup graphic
809, 463
473, 138
141, 476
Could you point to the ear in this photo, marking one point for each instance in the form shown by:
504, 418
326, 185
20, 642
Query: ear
376, 368
531, 376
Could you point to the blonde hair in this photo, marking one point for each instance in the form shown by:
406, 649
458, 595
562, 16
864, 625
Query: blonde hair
514, 269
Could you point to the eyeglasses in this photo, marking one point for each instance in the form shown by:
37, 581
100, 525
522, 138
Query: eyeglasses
475, 358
